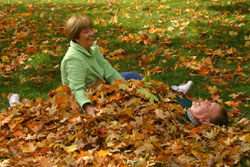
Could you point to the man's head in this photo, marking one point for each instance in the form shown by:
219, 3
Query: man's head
209, 112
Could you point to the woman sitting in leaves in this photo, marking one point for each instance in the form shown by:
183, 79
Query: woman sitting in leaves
83, 64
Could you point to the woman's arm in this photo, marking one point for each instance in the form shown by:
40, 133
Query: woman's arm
110, 73
76, 75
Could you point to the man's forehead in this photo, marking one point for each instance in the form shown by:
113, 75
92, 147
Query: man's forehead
215, 108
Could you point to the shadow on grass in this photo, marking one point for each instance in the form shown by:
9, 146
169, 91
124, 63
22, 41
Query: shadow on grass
241, 7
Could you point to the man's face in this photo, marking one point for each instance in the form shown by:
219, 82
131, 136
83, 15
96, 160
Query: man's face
205, 110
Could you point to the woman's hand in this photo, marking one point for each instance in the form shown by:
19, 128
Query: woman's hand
90, 110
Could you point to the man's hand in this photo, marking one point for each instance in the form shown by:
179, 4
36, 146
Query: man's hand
90, 110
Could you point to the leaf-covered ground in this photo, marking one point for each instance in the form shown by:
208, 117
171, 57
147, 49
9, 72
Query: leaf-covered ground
176, 41
136, 126
173, 41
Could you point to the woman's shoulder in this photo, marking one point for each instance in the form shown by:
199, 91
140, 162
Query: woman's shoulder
73, 55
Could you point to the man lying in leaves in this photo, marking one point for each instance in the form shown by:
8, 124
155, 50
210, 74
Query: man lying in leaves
204, 112
198, 113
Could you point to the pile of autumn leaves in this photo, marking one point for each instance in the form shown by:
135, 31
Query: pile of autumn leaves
136, 125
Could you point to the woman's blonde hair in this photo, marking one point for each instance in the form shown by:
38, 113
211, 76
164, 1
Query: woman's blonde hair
75, 24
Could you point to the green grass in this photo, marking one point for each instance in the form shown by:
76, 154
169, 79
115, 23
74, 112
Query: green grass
33, 29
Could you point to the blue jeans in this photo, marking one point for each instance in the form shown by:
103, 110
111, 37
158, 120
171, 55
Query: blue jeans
131, 75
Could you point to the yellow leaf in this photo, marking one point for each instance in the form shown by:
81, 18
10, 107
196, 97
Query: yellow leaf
123, 86
247, 38
71, 137
245, 137
71, 148
233, 33
170, 29
102, 153
117, 66
195, 153
212, 89
5, 59
247, 44
29, 148
164, 7
126, 15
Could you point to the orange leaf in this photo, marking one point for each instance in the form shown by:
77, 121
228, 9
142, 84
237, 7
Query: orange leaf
4, 95
232, 103
18, 133
178, 147
203, 70
156, 69
239, 68
31, 125
115, 97
195, 131
84, 153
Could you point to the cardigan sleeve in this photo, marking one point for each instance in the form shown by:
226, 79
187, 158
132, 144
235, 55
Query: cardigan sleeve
76, 80
110, 73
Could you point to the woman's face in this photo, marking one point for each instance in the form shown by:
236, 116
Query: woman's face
86, 38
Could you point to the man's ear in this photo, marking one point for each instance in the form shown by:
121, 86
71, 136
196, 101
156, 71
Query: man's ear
204, 121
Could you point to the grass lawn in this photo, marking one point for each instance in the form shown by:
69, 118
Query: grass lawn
175, 41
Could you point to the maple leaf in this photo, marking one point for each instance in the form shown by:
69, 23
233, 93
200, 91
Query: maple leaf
239, 68
124, 87
195, 131
147, 94
212, 89
45, 162
71, 148
203, 70
184, 159
213, 133
5, 163
52, 110
28, 148
145, 147
160, 114
233, 103
103, 153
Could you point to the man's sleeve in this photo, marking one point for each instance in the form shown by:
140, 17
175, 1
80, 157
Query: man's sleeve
184, 102
76, 77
